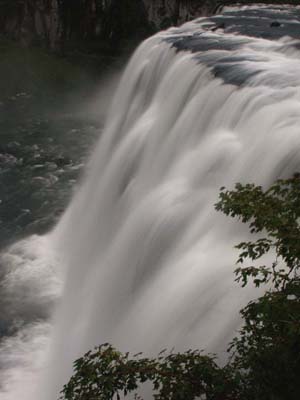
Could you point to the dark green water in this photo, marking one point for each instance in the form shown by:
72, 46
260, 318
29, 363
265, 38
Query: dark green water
42, 154
45, 138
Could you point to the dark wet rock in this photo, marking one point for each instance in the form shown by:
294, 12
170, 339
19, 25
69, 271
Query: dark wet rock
62, 161
7, 159
219, 26
275, 24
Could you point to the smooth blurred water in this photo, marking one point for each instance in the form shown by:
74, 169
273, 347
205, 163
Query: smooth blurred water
140, 258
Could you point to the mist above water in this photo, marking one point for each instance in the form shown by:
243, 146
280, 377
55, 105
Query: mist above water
144, 259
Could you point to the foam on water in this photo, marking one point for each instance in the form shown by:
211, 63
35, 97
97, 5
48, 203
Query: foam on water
30, 287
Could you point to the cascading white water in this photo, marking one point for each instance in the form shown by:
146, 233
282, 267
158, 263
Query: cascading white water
147, 260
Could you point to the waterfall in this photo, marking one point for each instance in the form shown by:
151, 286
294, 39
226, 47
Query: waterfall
146, 262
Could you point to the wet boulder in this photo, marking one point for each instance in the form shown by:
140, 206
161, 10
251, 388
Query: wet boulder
275, 24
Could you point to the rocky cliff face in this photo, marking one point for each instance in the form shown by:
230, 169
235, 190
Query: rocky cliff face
164, 13
55, 22
30, 20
